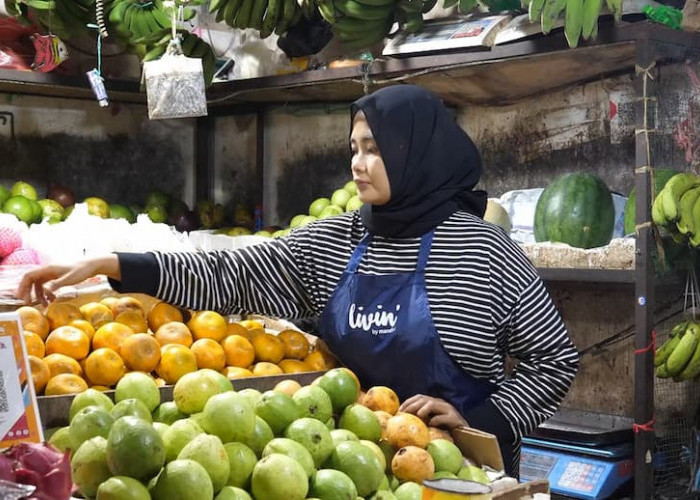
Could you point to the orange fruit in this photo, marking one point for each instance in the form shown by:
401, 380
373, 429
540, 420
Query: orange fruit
381, 398
383, 418
175, 361
34, 321
252, 324
162, 313
209, 354
319, 360
133, 319
238, 351
61, 314
40, 373
104, 366
268, 348
109, 301
111, 335
141, 352
236, 372
97, 314
68, 340
287, 386
127, 303
295, 344
85, 326
406, 429
263, 368
34, 344
65, 383
236, 329
293, 366
174, 332
438, 433
251, 334
60, 363
207, 325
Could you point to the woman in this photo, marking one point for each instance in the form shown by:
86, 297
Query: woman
415, 291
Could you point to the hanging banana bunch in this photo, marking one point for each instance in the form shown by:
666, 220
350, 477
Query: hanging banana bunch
266, 16
580, 16
65, 18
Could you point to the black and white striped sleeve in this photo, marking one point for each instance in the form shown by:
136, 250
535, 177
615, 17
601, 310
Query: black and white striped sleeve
261, 279
547, 361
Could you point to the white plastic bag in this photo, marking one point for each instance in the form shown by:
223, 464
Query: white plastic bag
175, 86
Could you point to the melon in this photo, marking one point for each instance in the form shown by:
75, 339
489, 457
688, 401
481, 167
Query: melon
576, 209
496, 214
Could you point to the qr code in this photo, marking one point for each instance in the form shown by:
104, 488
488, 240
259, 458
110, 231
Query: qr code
3, 394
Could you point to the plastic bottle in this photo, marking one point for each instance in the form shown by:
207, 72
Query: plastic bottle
664, 14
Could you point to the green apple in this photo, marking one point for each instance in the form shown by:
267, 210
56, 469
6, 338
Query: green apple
20, 207
354, 203
25, 189
340, 198
329, 211
296, 220
307, 220
318, 205
351, 188
51, 210
239, 231
266, 234
97, 206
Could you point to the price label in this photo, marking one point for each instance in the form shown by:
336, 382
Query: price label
19, 415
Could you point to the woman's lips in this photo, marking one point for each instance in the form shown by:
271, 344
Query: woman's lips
361, 184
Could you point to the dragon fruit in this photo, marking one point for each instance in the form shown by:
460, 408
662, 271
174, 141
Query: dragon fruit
22, 257
40, 465
10, 240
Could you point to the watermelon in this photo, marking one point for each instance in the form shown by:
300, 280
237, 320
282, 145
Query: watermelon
661, 177
576, 209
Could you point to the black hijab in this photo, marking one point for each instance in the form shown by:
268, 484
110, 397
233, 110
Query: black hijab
431, 163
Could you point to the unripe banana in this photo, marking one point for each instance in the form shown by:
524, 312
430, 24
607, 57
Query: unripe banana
680, 356
692, 369
695, 234
680, 328
663, 352
550, 13
673, 190
535, 10
591, 12
686, 223
657, 211
662, 372
573, 21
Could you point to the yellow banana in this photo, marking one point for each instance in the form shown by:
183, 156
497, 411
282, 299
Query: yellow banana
674, 189
678, 359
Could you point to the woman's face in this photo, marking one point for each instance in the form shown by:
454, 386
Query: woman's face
367, 166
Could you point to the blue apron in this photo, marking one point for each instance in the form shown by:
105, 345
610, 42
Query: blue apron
382, 329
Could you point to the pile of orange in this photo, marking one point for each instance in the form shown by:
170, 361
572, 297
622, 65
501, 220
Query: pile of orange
72, 348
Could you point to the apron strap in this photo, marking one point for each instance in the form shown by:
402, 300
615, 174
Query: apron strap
358, 253
426, 242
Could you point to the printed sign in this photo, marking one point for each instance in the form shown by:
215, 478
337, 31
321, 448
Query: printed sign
19, 415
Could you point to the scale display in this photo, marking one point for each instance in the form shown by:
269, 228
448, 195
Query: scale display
573, 475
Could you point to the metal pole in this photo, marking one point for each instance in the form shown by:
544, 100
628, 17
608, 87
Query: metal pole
644, 284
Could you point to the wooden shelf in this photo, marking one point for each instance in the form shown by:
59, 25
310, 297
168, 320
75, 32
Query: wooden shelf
617, 276
500, 75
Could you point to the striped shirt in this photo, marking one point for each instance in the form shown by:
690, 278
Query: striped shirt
486, 299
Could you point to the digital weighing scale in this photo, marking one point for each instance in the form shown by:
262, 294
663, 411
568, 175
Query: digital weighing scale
582, 454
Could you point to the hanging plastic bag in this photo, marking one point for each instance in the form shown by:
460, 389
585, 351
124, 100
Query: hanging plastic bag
175, 85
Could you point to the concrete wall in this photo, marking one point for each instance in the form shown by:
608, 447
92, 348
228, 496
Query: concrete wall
114, 153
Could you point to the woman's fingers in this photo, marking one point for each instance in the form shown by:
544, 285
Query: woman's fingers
435, 411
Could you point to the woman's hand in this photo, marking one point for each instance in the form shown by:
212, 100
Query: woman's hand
46, 280
435, 412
